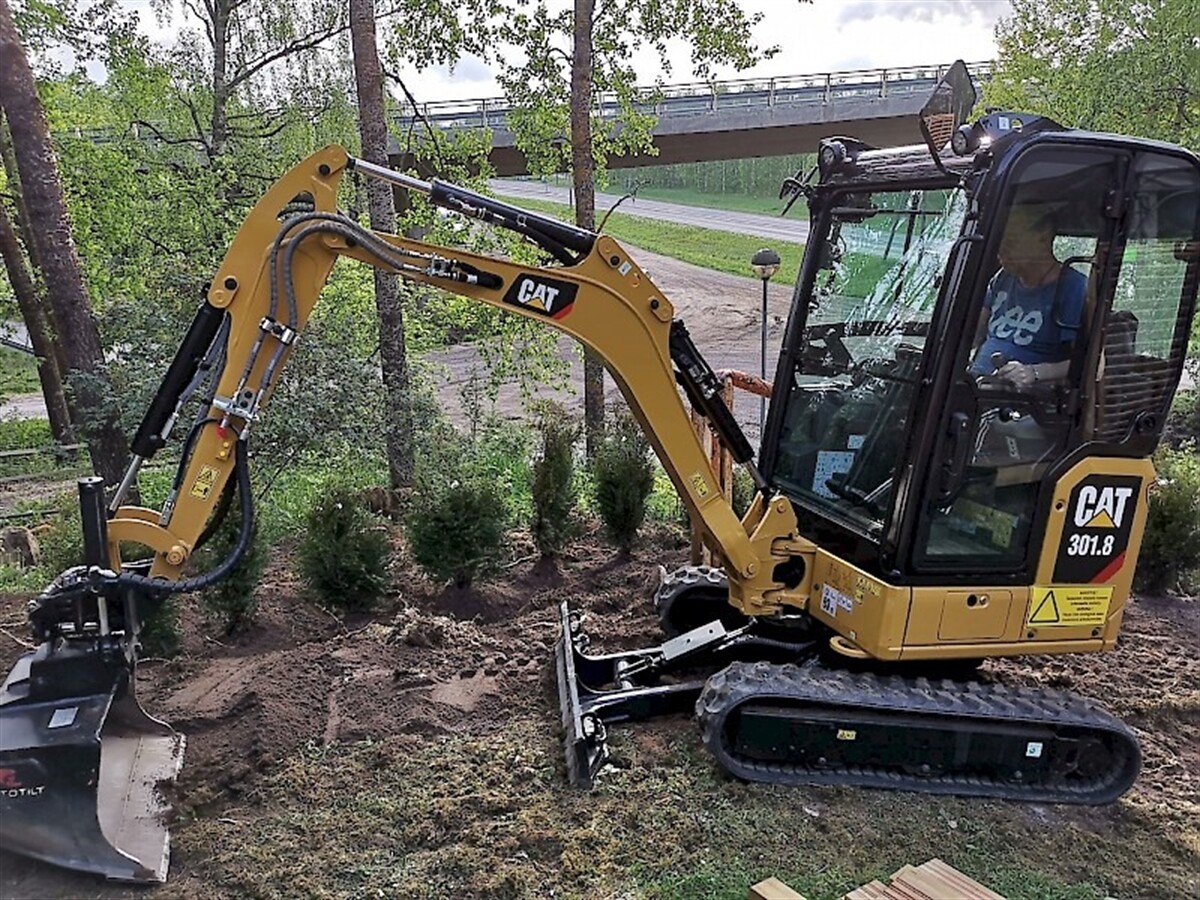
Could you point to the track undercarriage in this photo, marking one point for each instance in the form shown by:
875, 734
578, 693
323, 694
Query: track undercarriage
771, 710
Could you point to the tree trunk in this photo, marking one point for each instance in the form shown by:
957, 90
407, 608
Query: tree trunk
220, 90
31, 250
583, 174
372, 125
51, 233
33, 314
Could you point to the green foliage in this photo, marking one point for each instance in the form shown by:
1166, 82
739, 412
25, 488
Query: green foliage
61, 541
456, 530
160, 635
1170, 555
344, 553
231, 601
1106, 65
1183, 423
555, 491
624, 478
743, 490
745, 185
24, 434
718, 32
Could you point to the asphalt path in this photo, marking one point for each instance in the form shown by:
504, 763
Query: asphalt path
794, 228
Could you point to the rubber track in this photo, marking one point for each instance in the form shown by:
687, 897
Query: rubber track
791, 685
688, 577
703, 579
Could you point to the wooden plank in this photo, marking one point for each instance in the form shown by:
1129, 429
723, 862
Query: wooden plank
773, 889
873, 890
964, 885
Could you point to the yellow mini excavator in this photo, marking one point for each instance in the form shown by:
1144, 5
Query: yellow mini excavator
984, 341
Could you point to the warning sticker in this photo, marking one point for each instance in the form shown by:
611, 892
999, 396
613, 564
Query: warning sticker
204, 482
1068, 606
700, 483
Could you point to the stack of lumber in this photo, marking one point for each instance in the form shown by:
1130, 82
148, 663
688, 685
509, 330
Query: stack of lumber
932, 881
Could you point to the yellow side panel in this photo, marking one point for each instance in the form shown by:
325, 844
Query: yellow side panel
858, 606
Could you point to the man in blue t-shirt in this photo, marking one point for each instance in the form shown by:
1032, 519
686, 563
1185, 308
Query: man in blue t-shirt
1033, 308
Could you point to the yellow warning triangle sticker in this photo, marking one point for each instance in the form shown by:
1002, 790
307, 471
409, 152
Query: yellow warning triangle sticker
1101, 520
1047, 611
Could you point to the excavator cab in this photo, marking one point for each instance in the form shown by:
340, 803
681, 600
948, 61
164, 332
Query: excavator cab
969, 329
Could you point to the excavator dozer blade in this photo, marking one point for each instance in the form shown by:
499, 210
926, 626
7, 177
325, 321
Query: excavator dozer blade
82, 778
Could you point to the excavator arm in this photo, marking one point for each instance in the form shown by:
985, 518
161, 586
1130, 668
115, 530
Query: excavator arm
271, 280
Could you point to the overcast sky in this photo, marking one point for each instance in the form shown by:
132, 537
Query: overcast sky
826, 35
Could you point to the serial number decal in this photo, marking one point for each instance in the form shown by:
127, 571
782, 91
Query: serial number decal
832, 600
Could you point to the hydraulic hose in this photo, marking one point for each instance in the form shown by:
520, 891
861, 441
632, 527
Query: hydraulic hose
199, 582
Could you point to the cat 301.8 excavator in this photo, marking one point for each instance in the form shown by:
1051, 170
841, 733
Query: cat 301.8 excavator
955, 467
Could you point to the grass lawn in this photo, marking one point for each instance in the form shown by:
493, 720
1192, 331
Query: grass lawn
18, 373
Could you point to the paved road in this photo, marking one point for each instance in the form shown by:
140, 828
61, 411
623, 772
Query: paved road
794, 228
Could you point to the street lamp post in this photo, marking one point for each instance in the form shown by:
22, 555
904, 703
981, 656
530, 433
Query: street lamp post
765, 264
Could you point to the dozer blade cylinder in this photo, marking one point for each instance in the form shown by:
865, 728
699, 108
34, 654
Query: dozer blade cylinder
81, 780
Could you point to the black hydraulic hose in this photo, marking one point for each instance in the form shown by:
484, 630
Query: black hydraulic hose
186, 450
199, 582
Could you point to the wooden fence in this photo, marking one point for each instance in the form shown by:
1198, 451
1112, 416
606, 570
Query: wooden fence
719, 457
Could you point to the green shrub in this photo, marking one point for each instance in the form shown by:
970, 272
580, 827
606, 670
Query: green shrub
456, 530
554, 488
743, 491
160, 629
624, 477
231, 601
344, 551
61, 541
1183, 422
1170, 555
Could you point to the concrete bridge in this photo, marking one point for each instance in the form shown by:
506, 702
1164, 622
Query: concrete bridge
728, 119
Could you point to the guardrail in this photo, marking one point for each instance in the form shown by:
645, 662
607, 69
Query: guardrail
708, 97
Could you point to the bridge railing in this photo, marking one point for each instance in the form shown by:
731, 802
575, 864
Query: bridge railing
701, 97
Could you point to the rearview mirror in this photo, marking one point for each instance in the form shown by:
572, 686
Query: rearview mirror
948, 107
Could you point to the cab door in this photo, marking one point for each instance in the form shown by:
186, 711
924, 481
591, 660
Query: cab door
1016, 380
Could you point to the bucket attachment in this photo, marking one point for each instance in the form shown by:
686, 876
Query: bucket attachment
595, 691
82, 770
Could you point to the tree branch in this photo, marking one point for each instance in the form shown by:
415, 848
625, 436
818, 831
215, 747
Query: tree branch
305, 43
434, 134
142, 123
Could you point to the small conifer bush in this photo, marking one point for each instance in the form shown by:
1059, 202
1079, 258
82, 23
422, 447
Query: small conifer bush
554, 489
624, 477
344, 552
456, 530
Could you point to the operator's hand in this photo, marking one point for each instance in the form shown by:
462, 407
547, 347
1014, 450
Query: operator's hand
1018, 374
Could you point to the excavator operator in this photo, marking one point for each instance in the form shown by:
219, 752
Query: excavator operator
1033, 306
